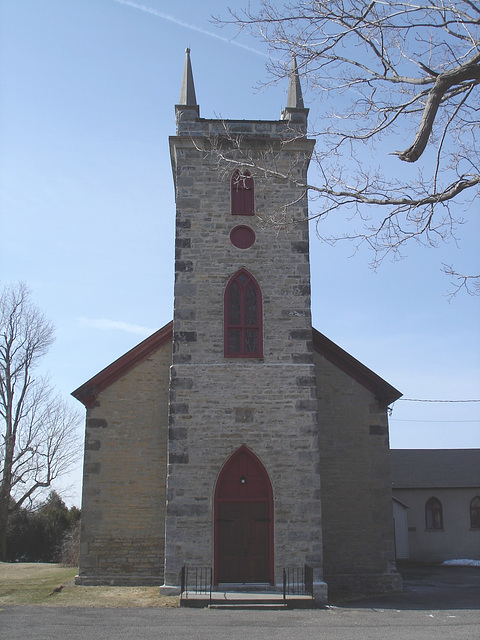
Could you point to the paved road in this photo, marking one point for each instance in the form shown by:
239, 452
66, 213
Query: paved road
431, 587
55, 623
437, 603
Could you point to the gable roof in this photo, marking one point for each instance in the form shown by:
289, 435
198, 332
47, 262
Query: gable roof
435, 468
87, 393
399, 502
354, 368
90, 389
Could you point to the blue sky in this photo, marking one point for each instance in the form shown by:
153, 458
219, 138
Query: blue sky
87, 206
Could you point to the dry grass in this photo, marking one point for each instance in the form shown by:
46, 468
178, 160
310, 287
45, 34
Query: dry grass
53, 585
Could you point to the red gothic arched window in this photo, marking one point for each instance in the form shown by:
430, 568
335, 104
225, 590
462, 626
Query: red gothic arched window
242, 193
243, 317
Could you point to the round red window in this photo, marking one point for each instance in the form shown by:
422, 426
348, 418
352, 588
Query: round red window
242, 237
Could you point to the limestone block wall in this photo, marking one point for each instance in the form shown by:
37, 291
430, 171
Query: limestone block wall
357, 512
211, 394
123, 505
274, 415
205, 258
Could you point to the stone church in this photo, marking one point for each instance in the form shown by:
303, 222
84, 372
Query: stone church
238, 436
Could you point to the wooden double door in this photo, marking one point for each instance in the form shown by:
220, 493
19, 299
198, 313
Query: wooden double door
243, 542
243, 521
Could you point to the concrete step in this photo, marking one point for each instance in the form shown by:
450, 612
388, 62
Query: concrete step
246, 600
248, 606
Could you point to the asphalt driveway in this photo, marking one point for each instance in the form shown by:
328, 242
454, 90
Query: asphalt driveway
437, 602
429, 587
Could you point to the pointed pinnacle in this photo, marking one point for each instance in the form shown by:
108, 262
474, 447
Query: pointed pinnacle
187, 93
295, 98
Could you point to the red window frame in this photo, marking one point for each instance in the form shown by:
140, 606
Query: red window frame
242, 193
243, 317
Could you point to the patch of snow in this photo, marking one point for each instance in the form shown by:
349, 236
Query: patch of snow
461, 563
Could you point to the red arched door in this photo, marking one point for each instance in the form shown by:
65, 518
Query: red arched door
243, 521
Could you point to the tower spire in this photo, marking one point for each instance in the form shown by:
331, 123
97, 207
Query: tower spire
295, 110
295, 98
187, 109
187, 93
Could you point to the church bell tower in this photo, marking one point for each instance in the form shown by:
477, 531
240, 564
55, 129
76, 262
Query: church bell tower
243, 470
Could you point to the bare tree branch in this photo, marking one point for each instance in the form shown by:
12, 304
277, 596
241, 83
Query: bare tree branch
38, 440
383, 75
468, 72
470, 283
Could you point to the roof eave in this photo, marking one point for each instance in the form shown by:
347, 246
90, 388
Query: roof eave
88, 391
383, 391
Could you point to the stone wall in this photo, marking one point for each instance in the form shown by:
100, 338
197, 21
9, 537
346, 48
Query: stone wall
359, 552
210, 392
123, 506
302, 417
273, 417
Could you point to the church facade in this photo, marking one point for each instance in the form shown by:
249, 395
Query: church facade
238, 437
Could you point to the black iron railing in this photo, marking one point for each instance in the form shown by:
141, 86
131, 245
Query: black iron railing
298, 581
197, 580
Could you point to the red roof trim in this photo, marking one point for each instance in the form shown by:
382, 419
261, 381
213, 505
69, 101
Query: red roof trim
88, 392
355, 369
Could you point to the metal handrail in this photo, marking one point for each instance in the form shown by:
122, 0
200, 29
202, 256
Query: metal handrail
297, 581
196, 580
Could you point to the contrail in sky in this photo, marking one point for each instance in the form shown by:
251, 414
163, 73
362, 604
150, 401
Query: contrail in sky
107, 325
186, 25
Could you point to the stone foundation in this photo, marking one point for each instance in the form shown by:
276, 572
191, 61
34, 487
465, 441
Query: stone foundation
122, 562
119, 581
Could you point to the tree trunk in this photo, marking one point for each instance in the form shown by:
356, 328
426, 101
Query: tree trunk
3, 526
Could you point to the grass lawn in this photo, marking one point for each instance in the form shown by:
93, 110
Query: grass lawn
53, 585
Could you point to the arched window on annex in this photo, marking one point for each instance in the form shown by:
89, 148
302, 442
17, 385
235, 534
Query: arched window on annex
242, 193
243, 317
433, 514
475, 513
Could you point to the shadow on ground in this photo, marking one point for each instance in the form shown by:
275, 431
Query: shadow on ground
426, 587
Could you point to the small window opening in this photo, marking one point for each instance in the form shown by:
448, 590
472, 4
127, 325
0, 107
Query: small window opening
242, 193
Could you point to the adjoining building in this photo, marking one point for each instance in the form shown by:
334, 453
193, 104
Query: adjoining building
436, 504
238, 437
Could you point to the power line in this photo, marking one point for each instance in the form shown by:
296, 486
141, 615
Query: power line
421, 400
454, 421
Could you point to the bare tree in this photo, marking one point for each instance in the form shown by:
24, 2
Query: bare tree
385, 75
39, 439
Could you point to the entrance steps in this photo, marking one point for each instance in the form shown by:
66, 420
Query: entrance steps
245, 599
198, 590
